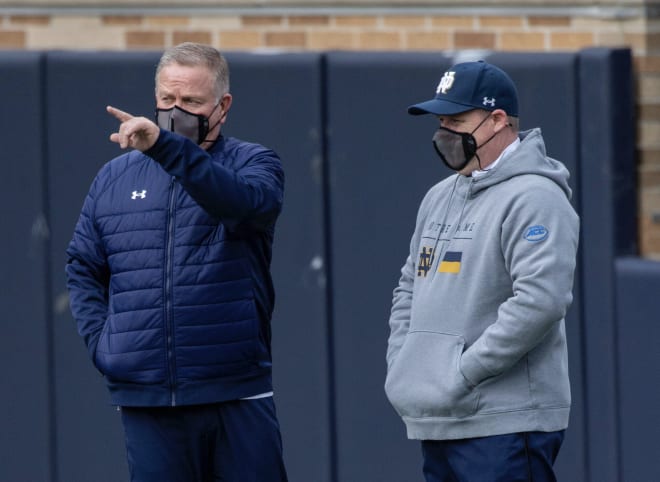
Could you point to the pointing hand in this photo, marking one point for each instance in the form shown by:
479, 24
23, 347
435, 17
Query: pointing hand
135, 132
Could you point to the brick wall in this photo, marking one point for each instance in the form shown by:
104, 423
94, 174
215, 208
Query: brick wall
528, 28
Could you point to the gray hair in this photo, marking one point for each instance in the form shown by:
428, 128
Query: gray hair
192, 54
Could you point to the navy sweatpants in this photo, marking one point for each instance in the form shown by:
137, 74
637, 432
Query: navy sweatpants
518, 457
237, 441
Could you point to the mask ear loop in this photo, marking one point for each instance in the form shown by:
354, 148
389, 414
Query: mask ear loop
209, 129
509, 124
473, 144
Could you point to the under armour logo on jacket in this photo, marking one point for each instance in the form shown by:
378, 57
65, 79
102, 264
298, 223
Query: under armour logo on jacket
139, 194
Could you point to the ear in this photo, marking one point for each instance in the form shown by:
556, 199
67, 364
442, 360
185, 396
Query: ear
225, 104
501, 119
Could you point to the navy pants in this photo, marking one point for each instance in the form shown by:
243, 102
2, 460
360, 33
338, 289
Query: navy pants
237, 441
518, 457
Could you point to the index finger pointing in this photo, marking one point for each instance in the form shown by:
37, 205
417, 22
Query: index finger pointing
119, 114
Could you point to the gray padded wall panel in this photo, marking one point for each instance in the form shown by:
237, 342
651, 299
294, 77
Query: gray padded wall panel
25, 341
277, 102
79, 86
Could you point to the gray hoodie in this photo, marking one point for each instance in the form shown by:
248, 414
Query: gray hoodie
478, 344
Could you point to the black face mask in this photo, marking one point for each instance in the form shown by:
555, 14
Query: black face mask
456, 149
193, 126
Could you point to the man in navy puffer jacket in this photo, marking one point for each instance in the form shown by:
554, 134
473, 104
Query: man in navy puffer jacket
169, 280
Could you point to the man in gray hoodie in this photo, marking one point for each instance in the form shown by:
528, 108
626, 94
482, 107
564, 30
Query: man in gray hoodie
477, 361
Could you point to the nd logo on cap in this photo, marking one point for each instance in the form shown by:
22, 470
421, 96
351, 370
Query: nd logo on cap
471, 85
445, 83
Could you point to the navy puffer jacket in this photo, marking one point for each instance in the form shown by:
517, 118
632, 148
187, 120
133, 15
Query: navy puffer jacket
169, 271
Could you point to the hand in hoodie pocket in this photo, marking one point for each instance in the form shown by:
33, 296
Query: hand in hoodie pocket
425, 380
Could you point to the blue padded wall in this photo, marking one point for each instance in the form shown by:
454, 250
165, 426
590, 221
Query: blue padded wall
79, 85
25, 341
277, 102
608, 230
378, 175
357, 166
381, 162
638, 332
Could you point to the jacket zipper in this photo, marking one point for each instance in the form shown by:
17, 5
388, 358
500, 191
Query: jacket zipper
169, 330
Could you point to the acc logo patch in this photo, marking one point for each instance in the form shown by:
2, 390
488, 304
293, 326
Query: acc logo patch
536, 233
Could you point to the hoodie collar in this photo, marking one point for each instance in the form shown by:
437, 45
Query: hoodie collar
509, 149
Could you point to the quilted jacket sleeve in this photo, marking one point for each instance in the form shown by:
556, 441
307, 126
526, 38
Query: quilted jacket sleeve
244, 189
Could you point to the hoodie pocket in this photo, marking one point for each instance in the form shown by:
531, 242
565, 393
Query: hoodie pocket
425, 381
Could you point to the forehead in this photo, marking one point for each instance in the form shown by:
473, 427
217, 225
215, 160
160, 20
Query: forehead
185, 78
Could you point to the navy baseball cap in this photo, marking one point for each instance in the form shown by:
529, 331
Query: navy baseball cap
471, 85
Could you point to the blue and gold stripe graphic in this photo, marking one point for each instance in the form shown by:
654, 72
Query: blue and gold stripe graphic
451, 262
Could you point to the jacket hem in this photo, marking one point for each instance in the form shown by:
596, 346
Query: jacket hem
198, 392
